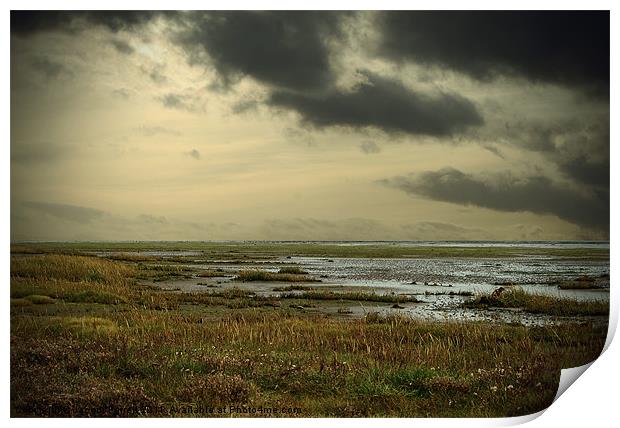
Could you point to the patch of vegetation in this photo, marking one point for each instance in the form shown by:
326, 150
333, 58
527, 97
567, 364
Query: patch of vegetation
449, 293
131, 257
295, 270
94, 296
537, 304
163, 272
293, 288
70, 268
88, 325
211, 273
38, 299
585, 283
259, 275
355, 296
580, 285
20, 302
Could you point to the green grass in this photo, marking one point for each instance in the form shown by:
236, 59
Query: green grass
537, 304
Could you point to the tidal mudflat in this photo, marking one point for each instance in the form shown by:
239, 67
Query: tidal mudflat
380, 329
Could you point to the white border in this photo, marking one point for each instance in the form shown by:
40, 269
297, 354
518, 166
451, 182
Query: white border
590, 402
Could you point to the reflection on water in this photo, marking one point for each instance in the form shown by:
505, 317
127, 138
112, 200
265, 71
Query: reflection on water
438, 283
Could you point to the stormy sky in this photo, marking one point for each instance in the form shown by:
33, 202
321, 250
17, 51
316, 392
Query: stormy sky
313, 125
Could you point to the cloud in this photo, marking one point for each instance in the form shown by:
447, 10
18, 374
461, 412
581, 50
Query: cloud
49, 68
194, 154
122, 46
175, 101
528, 232
54, 221
384, 104
282, 49
493, 149
151, 219
369, 147
155, 73
318, 229
504, 192
65, 211
593, 173
151, 131
27, 22
579, 149
244, 106
561, 47
26, 151
433, 230
121, 93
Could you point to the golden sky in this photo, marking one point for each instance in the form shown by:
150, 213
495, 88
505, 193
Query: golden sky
343, 126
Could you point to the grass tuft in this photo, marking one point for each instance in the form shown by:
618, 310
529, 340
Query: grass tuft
355, 296
38, 299
294, 270
536, 304
259, 275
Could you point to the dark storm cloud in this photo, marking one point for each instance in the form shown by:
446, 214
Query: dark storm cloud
65, 211
384, 104
25, 23
282, 49
580, 150
568, 48
506, 193
584, 156
122, 46
49, 68
586, 171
